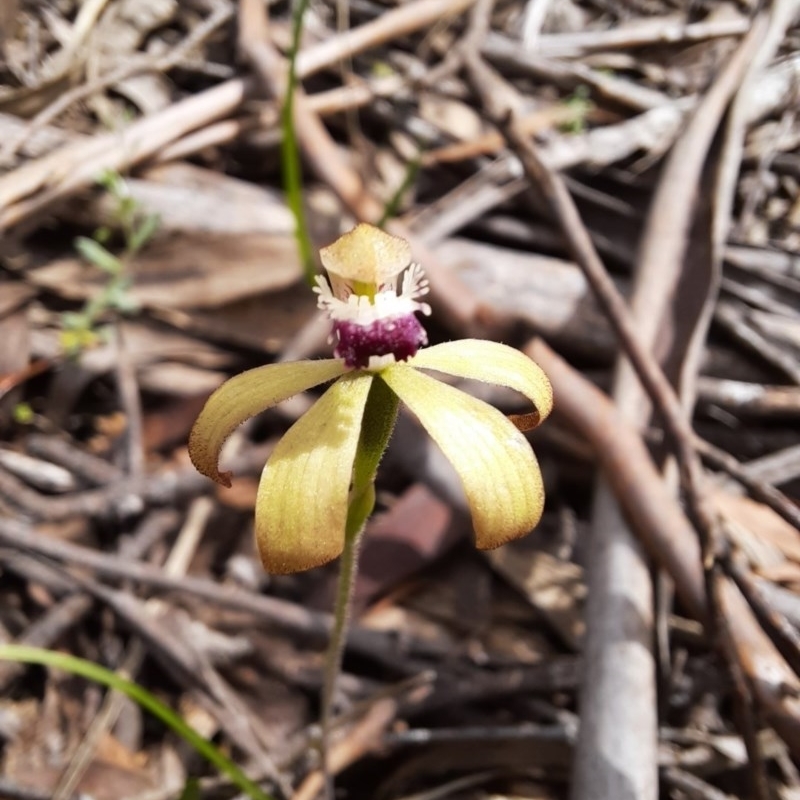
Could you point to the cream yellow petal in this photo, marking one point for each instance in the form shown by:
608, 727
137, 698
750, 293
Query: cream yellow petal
246, 395
492, 362
498, 470
367, 255
303, 497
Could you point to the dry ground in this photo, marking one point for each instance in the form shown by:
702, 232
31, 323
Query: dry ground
675, 132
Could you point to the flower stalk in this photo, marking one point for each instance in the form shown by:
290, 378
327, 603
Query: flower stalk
348, 569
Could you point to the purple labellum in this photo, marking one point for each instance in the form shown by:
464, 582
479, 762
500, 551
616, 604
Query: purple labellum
400, 337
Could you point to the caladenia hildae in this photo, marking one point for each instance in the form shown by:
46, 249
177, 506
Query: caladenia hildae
317, 489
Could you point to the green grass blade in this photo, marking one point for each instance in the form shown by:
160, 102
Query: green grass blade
98, 674
393, 205
290, 153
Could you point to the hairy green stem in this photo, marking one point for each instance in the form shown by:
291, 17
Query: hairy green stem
360, 509
380, 414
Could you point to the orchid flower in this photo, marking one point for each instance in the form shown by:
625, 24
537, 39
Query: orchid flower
317, 487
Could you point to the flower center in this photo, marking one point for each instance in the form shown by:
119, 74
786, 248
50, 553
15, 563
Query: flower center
372, 322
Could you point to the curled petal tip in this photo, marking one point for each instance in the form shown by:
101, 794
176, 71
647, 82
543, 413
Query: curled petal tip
492, 362
526, 422
204, 459
244, 396
498, 470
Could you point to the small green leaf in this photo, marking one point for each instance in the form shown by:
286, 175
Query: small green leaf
143, 233
74, 321
102, 234
126, 304
118, 297
96, 254
112, 182
23, 414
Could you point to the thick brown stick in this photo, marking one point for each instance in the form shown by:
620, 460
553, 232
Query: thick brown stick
657, 518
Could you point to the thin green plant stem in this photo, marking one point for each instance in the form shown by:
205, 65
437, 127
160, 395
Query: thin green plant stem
380, 414
290, 152
393, 204
348, 569
94, 672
